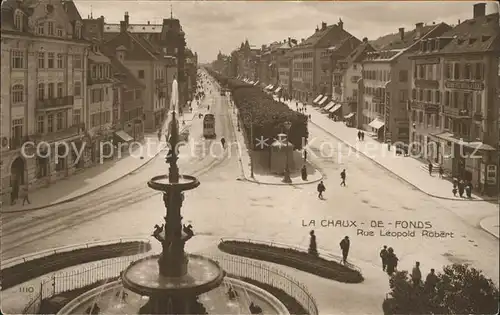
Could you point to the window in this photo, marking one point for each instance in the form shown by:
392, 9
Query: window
50, 28
429, 96
41, 91
50, 60
429, 119
107, 117
413, 94
60, 61
138, 94
456, 71
51, 90
41, 29
77, 116
17, 93
41, 60
447, 98
478, 71
17, 59
59, 121
403, 76
60, 89
455, 99
78, 31
141, 74
467, 71
420, 95
101, 73
437, 97
446, 123
40, 124
478, 107
50, 123
437, 120
94, 71
59, 32
77, 62
447, 71
77, 89
18, 21
403, 95
429, 72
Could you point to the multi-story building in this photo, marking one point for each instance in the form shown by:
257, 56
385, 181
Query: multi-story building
386, 83
454, 107
43, 92
168, 44
310, 70
346, 74
128, 101
283, 61
99, 109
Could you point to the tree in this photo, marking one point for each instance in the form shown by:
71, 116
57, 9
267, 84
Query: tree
460, 289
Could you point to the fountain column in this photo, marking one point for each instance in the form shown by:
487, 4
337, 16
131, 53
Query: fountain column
175, 281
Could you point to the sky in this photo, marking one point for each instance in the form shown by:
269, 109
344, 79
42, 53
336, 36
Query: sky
213, 26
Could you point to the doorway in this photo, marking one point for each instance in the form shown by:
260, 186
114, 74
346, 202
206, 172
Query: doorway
16, 177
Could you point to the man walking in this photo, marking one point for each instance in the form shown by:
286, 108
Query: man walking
321, 189
430, 168
342, 176
416, 275
383, 256
344, 246
25, 195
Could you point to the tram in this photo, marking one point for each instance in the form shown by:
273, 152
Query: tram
209, 126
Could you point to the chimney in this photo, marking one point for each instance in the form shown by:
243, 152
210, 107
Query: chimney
317, 28
149, 22
126, 18
123, 26
402, 33
365, 39
302, 40
341, 24
323, 26
419, 26
479, 10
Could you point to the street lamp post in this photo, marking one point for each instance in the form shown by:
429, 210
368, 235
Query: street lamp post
286, 178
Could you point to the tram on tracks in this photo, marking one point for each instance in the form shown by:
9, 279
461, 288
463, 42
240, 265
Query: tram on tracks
209, 126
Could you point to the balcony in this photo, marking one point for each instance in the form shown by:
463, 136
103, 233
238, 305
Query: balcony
429, 84
464, 85
477, 116
55, 103
69, 132
457, 112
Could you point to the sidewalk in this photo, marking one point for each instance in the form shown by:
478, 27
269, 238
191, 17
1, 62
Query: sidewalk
260, 176
405, 168
94, 178
491, 225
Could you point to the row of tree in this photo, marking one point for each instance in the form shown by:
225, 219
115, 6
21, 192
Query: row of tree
459, 289
259, 110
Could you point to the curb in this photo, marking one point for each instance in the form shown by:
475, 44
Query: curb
93, 190
482, 225
395, 174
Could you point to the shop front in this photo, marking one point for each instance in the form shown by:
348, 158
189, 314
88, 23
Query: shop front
377, 126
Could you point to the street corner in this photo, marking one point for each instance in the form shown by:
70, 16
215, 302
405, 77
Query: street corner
491, 225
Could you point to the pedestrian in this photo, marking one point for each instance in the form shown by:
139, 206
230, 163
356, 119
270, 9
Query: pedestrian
313, 246
431, 281
344, 246
25, 195
383, 256
461, 188
468, 190
430, 168
159, 134
321, 189
303, 172
362, 136
416, 275
342, 176
392, 261
441, 171
359, 135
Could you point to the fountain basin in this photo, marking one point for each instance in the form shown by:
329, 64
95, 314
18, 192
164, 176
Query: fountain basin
143, 277
162, 183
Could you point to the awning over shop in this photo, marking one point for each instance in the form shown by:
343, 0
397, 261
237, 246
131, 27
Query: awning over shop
349, 115
123, 136
376, 123
251, 82
323, 100
318, 98
255, 83
269, 86
449, 137
330, 105
335, 108
278, 89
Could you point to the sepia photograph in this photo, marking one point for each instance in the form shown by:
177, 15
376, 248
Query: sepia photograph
249, 157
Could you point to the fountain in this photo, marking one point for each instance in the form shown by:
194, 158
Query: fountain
173, 280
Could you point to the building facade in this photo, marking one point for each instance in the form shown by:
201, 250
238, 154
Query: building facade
99, 109
454, 106
387, 84
43, 93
